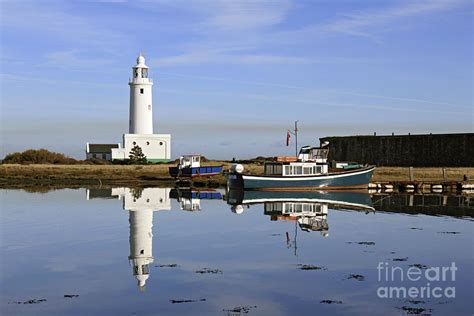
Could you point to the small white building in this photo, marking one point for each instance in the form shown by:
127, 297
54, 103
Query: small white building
156, 147
100, 151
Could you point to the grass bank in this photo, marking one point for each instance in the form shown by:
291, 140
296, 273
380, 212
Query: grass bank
140, 175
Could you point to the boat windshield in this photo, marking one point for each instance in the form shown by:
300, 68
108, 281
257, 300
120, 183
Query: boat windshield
319, 153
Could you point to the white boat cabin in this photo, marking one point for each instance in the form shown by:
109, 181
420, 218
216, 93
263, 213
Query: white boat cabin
190, 161
311, 161
313, 154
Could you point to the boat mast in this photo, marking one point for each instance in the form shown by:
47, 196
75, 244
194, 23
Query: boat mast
294, 132
296, 139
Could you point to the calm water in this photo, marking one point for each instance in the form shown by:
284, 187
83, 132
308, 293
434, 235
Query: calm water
142, 252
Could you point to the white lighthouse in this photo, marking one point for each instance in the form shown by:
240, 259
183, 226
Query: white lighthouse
141, 108
156, 147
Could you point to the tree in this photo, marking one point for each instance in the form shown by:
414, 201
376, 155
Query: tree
136, 155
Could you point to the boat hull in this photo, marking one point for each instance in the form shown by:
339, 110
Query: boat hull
347, 180
207, 171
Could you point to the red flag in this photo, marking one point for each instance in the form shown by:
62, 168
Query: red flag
288, 136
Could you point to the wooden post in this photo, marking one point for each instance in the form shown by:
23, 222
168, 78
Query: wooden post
412, 175
445, 175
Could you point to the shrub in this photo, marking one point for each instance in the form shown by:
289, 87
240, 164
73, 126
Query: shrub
97, 161
136, 155
38, 156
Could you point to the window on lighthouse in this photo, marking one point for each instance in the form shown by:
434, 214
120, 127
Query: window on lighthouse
141, 90
144, 73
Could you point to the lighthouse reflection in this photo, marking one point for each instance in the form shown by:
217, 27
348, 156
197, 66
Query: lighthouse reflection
141, 203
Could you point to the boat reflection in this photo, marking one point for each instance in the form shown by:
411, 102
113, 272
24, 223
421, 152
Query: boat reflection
140, 203
309, 216
190, 199
308, 209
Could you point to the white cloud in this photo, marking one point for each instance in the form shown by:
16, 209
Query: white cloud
244, 15
366, 23
54, 20
222, 58
73, 59
227, 15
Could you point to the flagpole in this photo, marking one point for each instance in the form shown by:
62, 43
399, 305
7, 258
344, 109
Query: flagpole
296, 138
293, 132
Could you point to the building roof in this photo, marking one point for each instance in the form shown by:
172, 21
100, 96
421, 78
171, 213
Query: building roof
102, 148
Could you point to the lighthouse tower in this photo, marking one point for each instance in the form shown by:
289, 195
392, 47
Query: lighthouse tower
141, 114
156, 147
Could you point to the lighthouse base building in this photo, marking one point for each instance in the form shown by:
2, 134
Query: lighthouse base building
155, 147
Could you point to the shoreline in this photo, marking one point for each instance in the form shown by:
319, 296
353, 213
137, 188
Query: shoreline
16, 175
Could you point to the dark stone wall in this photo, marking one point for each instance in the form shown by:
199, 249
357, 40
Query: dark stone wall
437, 150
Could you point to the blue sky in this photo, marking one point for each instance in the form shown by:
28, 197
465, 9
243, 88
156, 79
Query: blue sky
232, 76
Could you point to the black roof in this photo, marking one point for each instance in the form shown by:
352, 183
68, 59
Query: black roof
102, 148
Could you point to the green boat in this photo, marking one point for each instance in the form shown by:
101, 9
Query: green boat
309, 172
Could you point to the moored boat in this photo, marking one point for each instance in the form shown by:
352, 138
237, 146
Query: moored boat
310, 171
190, 166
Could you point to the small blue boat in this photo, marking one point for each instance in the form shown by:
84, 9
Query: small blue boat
190, 166
310, 171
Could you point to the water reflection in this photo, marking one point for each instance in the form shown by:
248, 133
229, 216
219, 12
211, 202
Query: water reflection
429, 204
309, 216
214, 261
308, 209
190, 199
140, 203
